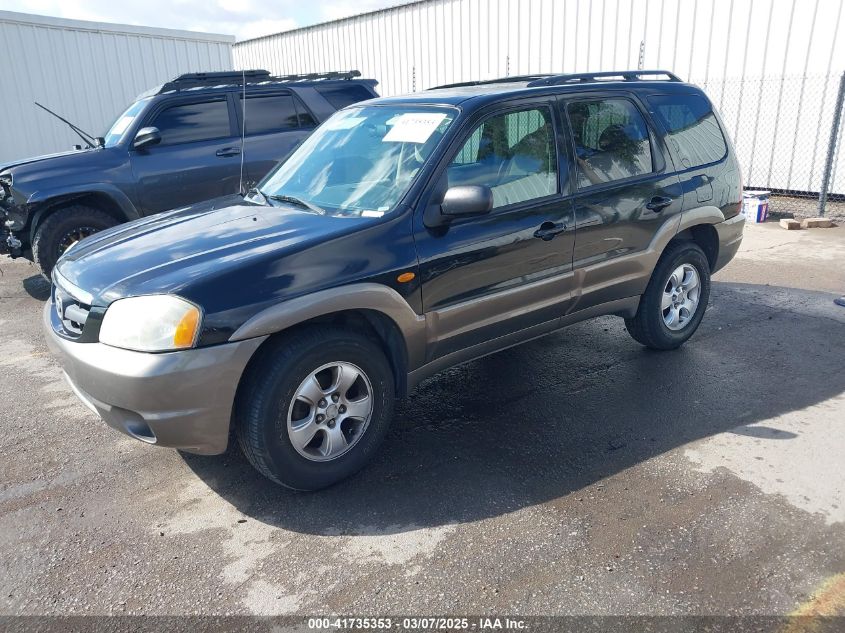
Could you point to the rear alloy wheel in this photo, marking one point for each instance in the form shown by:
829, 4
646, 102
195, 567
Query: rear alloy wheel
675, 299
64, 229
680, 297
314, 406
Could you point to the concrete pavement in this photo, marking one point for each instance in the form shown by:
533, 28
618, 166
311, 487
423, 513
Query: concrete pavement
577, 474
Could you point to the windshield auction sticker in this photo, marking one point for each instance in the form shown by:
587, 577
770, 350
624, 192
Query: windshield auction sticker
414, 127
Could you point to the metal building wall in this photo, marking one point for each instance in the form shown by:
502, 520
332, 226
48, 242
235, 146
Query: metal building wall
422, 44
87, 72
771, 66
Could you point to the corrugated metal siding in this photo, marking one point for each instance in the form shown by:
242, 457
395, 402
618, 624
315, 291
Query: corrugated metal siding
770, 66
422, 44
87, 72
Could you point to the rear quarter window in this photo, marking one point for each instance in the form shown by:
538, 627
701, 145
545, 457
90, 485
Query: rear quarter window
693, 131
341, 96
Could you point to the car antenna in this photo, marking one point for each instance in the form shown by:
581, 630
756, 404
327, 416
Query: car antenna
90, 141
243, 131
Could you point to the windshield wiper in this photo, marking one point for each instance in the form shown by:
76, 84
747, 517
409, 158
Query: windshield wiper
299, 203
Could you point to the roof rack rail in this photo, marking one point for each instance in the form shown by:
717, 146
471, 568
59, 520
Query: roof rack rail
254, 76
626, 75
500, 80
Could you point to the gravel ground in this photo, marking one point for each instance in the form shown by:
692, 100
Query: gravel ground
577, 474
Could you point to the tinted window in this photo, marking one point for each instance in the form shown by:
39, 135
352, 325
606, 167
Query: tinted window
611, 140
342, 95
305, 118
270, 114
193, 122
514, 154
693, 130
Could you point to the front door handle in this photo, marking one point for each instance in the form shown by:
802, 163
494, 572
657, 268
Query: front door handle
228, 151
548, 230
658, 203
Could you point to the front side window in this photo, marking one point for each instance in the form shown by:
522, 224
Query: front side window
692, 128
190, 122
611, 141
360, 162
514, 154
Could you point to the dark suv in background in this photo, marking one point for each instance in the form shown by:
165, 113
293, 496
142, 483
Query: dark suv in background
406, 235
175, 145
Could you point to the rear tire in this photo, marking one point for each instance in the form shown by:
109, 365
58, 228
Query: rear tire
666, 318
271, 409
63, 229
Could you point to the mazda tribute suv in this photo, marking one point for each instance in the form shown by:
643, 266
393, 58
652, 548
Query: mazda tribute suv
405, 235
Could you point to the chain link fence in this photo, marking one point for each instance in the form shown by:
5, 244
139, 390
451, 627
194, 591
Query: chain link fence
788, 134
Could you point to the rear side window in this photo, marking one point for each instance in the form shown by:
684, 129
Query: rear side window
514, 154
190, 122
693, 130
275, 113
611, 141
343, 95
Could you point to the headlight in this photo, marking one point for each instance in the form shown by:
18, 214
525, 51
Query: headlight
152, 323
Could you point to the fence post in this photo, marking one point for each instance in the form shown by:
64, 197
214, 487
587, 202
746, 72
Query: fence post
831, 145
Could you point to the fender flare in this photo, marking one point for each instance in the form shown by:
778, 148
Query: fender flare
700, 215
359, 296
47, 198
681, 222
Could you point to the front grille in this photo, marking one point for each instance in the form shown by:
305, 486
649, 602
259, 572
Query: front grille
71, 311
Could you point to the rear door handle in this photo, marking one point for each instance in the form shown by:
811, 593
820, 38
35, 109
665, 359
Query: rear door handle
548, 230
228, 151
658, 203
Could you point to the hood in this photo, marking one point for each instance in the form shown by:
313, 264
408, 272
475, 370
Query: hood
44, 157
167, 252
38, 176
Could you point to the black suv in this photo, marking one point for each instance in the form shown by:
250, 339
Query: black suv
406, 235
176, 145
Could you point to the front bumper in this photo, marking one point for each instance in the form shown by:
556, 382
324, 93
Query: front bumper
13, 219
730, 237
179, 399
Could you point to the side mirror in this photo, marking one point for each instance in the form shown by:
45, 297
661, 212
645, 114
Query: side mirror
146, 137
467, 200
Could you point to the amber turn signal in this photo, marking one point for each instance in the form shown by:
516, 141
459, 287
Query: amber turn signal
405, 278
186, 330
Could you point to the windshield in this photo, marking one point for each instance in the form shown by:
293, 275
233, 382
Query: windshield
362, 161
123, 122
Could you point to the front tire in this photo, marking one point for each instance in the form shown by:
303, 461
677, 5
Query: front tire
62, 230
314, 407
675, 299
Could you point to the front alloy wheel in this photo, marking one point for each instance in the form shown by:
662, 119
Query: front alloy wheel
72, 238
314, 405
330, 411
